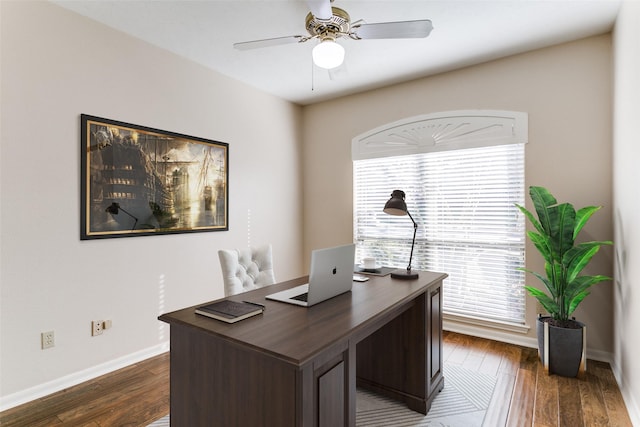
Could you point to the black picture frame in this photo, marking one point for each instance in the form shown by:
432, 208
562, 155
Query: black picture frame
140, 181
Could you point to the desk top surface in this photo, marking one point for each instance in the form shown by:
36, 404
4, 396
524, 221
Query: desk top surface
297, 334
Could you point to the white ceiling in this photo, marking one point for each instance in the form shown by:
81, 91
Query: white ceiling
465, 32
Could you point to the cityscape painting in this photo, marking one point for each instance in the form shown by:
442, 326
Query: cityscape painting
139, 181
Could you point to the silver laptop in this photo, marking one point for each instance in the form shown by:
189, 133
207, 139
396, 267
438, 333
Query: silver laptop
331, 275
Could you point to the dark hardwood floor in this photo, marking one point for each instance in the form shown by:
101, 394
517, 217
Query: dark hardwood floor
524, 396
133, 396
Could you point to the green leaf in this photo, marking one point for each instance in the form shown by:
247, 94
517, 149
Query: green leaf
578, 257
575, 302
582, 216
542, 199
582, 283
561, 220
541, 243
555, 274
531, 218
549, 304
543, 279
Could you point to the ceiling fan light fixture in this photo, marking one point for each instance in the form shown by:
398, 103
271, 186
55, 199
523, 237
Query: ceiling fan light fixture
328, 54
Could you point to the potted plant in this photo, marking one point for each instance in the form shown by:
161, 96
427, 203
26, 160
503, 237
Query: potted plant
561, 339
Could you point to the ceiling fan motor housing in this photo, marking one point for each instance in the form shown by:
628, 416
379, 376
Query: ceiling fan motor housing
334, 27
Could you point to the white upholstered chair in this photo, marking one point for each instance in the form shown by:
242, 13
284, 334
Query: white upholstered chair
246, 269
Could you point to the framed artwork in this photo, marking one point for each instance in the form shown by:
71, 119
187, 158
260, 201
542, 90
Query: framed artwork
139, 181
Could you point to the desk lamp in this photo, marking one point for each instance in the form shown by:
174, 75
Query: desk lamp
397, 206
114, 208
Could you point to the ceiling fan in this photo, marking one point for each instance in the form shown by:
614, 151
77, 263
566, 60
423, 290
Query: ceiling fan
327, 24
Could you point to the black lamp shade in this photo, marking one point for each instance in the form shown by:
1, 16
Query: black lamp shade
397, 206
113, 208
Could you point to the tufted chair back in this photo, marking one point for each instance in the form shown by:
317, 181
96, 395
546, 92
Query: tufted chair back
246, 269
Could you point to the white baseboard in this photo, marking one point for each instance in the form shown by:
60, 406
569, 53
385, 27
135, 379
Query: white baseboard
633, 406
503, 335
33, 393
492, 333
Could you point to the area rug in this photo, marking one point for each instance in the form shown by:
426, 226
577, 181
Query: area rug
463, 402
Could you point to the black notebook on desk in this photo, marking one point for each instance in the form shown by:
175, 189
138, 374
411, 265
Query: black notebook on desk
229, 311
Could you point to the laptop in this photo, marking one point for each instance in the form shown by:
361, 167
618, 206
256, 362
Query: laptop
331, 275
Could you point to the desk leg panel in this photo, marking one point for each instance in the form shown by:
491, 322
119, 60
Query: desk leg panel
332, 389
403, 359
434, 312
217, 383
392, 361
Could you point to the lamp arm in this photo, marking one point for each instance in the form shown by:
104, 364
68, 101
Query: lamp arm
135, 222
413, 242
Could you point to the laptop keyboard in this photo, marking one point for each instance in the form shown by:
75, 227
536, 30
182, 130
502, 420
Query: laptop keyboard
301, 297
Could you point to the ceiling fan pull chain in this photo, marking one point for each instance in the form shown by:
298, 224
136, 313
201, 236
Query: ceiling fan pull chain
312, 75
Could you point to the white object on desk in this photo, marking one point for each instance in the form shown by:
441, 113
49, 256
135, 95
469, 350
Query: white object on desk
368, 263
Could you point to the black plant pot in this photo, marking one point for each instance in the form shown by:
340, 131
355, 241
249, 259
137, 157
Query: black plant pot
562, 350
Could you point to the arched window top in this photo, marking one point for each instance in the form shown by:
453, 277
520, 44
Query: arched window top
450, 130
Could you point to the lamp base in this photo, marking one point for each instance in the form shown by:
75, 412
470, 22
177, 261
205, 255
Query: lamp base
404, 274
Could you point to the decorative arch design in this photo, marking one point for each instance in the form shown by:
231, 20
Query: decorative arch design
442, 131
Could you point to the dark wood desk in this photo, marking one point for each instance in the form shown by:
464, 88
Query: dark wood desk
296, 366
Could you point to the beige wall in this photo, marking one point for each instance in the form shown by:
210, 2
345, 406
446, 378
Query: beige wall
626, 176
55, 66
566, 90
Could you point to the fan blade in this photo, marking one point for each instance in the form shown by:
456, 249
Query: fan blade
255, 44
321, 9
394, 30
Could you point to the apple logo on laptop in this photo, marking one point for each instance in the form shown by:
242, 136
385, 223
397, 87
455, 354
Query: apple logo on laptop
335, 270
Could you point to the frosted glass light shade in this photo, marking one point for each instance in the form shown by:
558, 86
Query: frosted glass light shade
328, 54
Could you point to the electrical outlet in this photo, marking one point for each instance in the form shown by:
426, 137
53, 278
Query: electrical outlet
97, 327
47, 339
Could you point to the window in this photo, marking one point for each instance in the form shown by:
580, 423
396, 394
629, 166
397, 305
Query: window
463, 200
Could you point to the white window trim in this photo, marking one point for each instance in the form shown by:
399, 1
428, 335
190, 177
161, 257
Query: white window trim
449, 130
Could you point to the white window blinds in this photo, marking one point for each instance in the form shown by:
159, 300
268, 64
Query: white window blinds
463, 201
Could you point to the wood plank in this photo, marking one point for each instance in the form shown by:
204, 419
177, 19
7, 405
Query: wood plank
81, 399
593, 407
545, 413
20, 418
529, 359
569, 405
143, 400
522, 399
511, 357
45, 410
614, 403
492, 359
